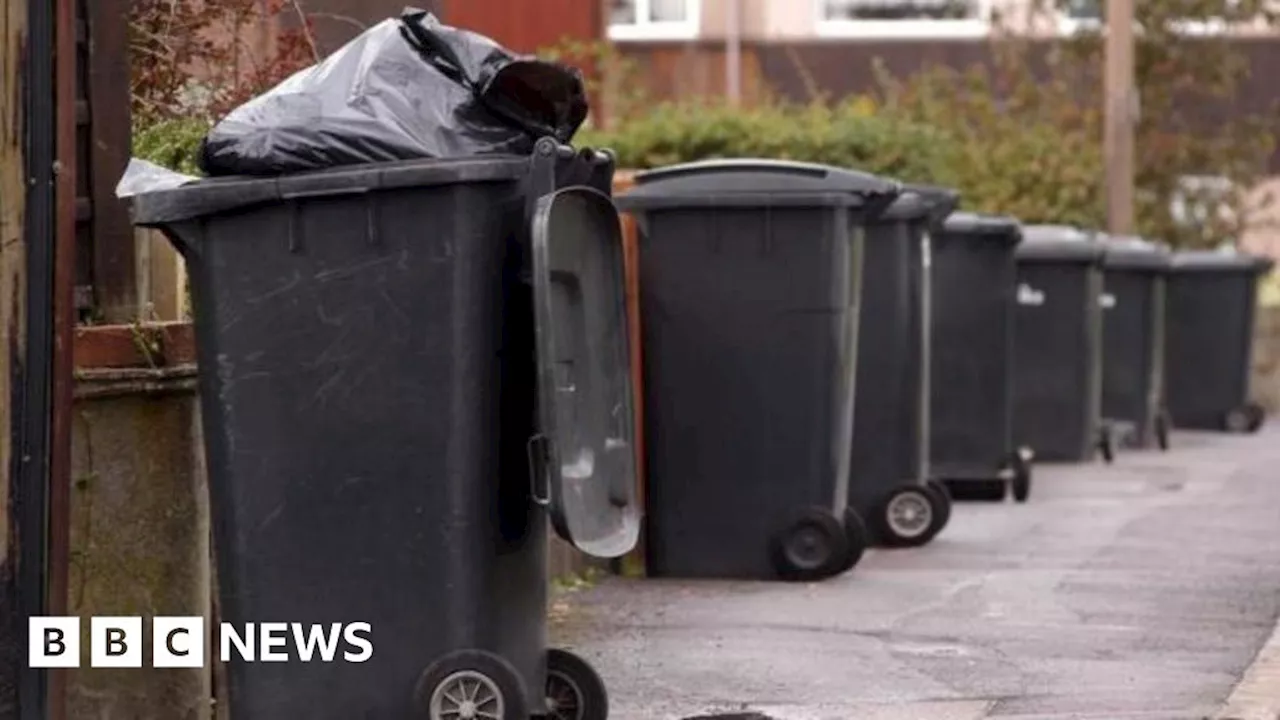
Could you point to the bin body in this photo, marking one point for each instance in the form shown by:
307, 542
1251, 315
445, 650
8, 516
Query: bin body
1058, 344
974, 281
1133, 322
1212, 304
370, 387
749, 287
891, 422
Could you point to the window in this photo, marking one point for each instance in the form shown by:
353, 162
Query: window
904, 18
1090, 14
653, 19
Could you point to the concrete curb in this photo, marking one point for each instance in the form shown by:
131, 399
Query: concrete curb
1257, 696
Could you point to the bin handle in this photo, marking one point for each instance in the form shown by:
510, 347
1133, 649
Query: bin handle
537, 467
323, 193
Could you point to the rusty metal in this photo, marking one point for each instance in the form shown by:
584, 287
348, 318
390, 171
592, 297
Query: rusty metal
64, 320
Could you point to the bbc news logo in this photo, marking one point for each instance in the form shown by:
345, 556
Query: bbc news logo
179, 642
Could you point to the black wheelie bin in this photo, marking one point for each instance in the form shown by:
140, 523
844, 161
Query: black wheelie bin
890, 485
1212, 303
1133, 327
1057, 381
971, 412
750, 275
408, 368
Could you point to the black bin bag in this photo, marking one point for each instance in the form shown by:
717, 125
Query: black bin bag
407, 88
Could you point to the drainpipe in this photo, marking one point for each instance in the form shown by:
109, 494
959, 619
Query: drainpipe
733, 54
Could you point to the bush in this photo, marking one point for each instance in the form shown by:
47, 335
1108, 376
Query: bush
847, 135
174, 144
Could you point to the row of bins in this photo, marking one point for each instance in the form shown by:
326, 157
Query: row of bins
412, 370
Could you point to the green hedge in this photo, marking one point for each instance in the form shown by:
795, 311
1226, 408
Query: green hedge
1032, 171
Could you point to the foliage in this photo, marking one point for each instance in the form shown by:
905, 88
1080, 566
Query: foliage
173, 144
843, 135
173, 42
1032, 142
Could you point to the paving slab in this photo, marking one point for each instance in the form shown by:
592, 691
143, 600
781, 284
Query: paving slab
1143, 589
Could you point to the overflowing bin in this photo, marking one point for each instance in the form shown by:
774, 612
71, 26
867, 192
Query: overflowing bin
750, 275
1133, 327
407, 368
890, 485
971, 411
1058, 345
1212, 303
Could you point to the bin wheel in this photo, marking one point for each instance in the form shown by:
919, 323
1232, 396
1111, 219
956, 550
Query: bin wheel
471, 685
909, 517
1162, 430
1020, 485
855, 532
1106, 447
811, 547
574, 689
1236, 421
945, 501
1257, 416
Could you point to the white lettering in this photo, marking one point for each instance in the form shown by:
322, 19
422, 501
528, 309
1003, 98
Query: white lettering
327, 642
353, 638
272, 635
243, 644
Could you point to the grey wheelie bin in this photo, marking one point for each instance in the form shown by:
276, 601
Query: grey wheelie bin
1057, 376
1133, 326
889, 484
750, 275
1212, 303
971, 412
408, 368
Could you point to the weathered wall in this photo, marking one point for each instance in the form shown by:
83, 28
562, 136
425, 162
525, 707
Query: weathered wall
140, 533
1266, 358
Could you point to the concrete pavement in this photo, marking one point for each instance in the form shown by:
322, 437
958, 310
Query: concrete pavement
1140, 590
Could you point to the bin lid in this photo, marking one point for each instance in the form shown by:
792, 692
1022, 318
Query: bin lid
212, 196
1130, 252
1058, 243
586, 426
921, 202
758, 183
1228, 260
994, 227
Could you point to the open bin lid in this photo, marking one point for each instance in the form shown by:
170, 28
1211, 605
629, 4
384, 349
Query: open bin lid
585, 406
993, 227
1130, 252
922, 203
1059, 243
1228, 260
758, 183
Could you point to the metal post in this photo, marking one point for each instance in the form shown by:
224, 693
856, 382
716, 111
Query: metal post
1121, 117
733, 54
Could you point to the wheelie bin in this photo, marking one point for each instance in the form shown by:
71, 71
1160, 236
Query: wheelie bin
750, 274
407, 368
971, 413
890, 484
1213, 297
1057, 376
1133, 326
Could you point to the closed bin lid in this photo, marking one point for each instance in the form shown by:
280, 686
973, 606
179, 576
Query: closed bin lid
212, 196
585, 419
758, 183
1227, 260
995, 227
921, 202
1058, 243
1129, 252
